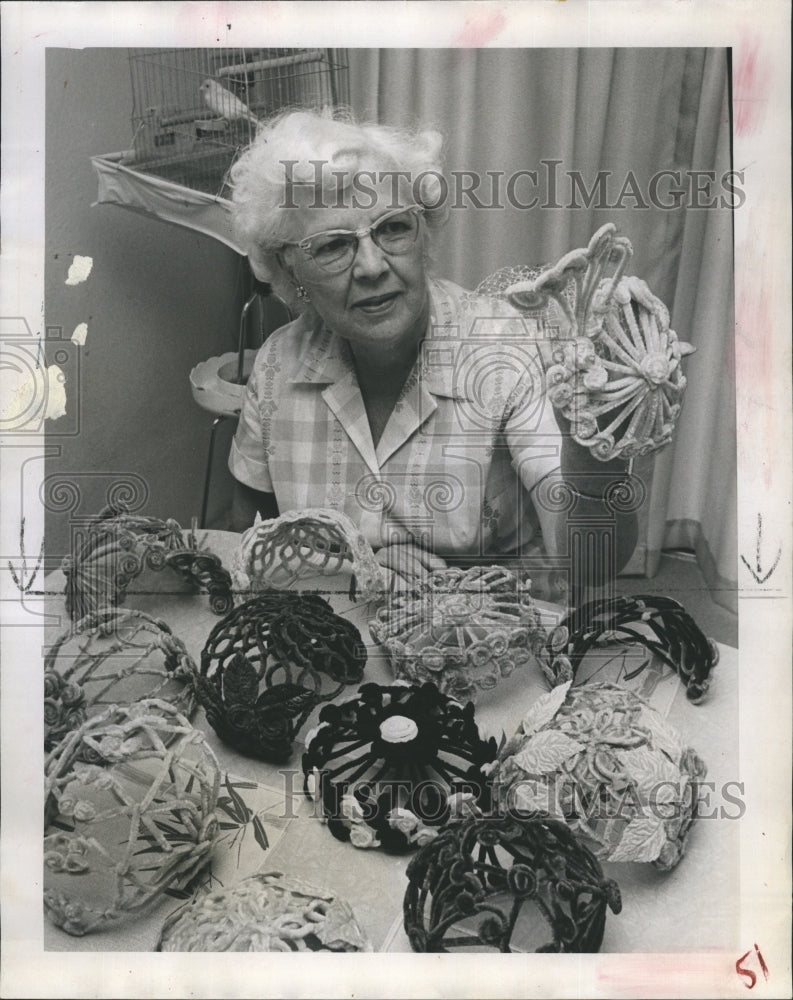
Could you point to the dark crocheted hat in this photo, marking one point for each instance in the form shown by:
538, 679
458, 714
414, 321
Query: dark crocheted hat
268, 663
501, 882
659, 623
390, 766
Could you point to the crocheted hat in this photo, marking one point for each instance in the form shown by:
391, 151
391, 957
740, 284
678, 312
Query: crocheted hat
463, 630
390, 766
306, 543
266, 912
501, 882
115, 656
616, 371
129, 808
266, 665
660, 624
118, 547
611, 767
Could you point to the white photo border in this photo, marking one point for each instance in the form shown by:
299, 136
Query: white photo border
762, 249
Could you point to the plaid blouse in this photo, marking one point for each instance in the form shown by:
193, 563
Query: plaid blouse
469, 437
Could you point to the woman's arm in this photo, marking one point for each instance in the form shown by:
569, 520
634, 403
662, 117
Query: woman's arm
591, 534
597, 538
247, 502
591, 480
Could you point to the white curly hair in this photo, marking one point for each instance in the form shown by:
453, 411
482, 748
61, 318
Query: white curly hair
308, 151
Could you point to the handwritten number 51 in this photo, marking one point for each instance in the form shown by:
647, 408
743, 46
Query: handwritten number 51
748, 974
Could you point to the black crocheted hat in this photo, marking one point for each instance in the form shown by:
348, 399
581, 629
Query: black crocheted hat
500, 882
268, 663
392, 765
659, 623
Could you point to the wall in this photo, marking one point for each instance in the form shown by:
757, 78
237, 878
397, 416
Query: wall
159, 300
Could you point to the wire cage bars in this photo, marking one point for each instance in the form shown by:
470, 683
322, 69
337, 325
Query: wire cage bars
194, 110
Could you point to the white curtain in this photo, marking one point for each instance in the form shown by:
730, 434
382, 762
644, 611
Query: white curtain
632, 112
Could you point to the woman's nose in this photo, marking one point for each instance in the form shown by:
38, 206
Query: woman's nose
370, 261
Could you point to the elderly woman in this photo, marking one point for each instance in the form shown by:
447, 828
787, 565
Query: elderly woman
412, 406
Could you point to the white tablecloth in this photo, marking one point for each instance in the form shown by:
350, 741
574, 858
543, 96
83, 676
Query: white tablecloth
692, 908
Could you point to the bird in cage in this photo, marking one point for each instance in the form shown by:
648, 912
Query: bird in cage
226, 104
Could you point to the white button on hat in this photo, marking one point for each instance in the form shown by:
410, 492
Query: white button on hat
398, 729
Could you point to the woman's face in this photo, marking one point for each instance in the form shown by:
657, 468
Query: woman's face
381, 299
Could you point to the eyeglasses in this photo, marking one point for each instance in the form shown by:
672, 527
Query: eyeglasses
334, 250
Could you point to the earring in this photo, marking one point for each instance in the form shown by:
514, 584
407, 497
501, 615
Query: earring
301, 293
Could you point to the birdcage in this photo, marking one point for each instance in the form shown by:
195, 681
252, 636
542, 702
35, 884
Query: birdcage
195, 109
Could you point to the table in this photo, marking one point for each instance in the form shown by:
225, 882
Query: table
695, 907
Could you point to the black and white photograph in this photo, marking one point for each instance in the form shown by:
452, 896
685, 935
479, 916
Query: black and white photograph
396, 488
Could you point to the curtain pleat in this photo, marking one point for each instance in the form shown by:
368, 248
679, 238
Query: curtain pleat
636, 111
699, 507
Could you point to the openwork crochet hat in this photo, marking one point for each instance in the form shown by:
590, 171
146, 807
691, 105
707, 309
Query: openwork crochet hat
130, 813
118, 548
501, 883
266, 665
390, 766
616, 374
306, 543
113, 657
463, 630
660, 624
611, 767
266, 912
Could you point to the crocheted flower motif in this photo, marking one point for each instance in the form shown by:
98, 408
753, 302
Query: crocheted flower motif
498, 882
313, 542
659, 623
603, 761
266, 912
257, 723
116, 549
140, 820
617, 374
115, 656
64, 707
392, 765
66, 853
204, 571
463, 630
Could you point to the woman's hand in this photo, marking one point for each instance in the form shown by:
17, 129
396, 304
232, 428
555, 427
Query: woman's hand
408, 562
577, 461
